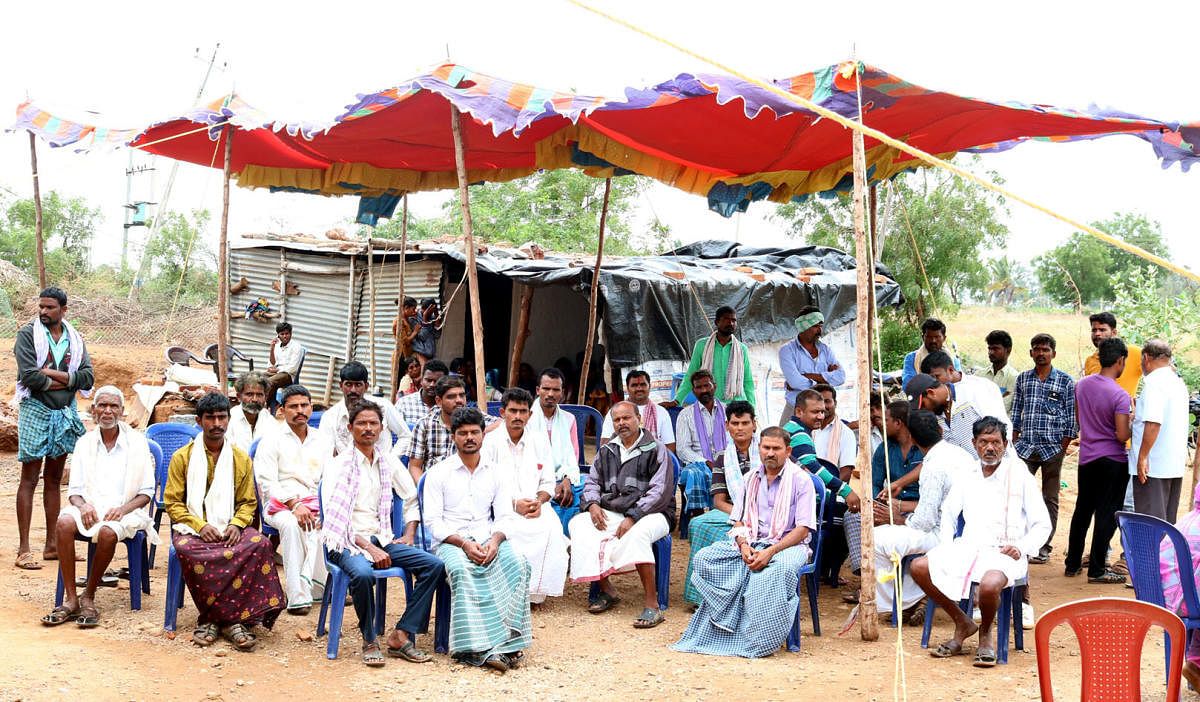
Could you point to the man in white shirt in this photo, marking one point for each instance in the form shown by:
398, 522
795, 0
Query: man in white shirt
112, 483
468, 505
537, 533
1158, 448
286, 356
1005, 521
288, 467
558, 426
247, 421
655, 418
334, 425
356, 528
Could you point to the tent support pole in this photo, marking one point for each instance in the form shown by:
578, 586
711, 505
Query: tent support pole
371, 309
37, 212
398, 367
591, 327
351, 318
223, 271
514, 366
464, 199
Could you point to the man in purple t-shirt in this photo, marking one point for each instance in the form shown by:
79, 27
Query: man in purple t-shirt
1102, 407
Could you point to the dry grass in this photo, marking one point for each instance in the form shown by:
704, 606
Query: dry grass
969, 327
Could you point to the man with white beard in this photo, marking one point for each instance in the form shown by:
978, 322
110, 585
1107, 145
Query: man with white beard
247, 421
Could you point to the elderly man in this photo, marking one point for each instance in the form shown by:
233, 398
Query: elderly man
805, 361
286, 356
357, 530
700, 439
228, 566
288, 467
933, 338
655, 418
247, 421
1005, 520
414, 406
112, 483
725, 358
559, 428
628, 503
904, 529
468, 507
748, 584
335, 425
1161, 423
975, 390
537, 534
52, 365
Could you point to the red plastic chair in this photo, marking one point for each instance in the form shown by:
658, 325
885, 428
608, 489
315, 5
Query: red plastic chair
1110, 631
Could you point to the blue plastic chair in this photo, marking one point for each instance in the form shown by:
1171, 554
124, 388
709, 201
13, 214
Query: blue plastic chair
1141, 536
314, 419
441, 600
493, 408
582, 413
266, 529
338, 583
135, 552
808, 572
170, 437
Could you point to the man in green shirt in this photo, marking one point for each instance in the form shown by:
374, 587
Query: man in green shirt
999, 347
725, 357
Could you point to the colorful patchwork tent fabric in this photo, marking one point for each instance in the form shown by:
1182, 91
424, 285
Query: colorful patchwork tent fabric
713, 135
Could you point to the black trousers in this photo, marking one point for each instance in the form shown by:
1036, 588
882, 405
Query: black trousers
1102, 485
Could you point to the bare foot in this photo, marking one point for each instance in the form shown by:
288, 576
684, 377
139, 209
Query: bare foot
1191, 673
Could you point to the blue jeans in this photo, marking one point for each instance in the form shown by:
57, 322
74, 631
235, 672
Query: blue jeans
426, 569
565, 513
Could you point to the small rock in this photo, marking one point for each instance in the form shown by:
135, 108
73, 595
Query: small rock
304, 635
241, 682
220, 653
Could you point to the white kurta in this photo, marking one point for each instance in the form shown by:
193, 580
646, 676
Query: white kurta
540, 539
335, 427
109, 479
242, 435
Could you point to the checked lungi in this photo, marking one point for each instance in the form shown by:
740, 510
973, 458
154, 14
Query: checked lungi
489, 605
742, 612
46, 433
696, 481
231, 585
705, 530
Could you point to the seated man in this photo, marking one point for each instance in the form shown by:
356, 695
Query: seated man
228, 566
112, 484
357, 530
810, 412
655, 418
1005, 520
739, 458
748, 584
910, 529
558, 426
288, 467
247, 421
286, 357
837, 445
414, 406
628, 503
432, 439
468, 506
896, 465
700, 438
334, 423
537, 533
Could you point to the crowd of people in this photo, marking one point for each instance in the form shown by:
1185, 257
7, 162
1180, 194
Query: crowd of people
966, 475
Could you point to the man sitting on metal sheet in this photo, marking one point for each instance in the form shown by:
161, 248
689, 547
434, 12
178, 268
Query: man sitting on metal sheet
1005, 521
468, 510
247, 421
334, 424
432, 438
112, 483
286, 356
726, 358
700, 440
748, 583
414, 406
558, 426
805, 361
655, 419
628, 504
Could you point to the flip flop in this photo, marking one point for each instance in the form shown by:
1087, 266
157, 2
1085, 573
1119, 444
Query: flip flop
26, 561
947, 649
89, 618
648, 619
106, 580
410, 653
60, 615
985, 657
371, 655
603, 603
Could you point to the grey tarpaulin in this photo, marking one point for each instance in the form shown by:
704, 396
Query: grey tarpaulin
650, 316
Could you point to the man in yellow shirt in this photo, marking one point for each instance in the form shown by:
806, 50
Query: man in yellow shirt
1104, 326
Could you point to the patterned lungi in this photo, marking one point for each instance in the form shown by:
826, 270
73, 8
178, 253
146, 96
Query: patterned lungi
46, 433
705, 530
696, 481
231, 585
489, 605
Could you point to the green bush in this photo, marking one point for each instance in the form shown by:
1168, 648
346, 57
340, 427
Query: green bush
896, 339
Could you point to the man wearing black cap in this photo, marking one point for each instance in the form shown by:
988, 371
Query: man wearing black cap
956, 419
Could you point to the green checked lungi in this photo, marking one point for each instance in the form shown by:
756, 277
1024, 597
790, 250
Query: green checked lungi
489, 605
46, 433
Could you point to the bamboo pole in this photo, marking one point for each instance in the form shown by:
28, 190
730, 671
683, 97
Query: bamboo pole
223, 270
350, 316
464, 199
398, 367
37, 212
591, 328
514, 365
283, 287
371, 312
865, 268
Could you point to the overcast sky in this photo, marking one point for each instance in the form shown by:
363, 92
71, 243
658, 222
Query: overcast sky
135, 63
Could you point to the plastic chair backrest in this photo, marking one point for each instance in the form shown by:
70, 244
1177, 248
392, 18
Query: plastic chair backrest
178, 354
493, 408
314, 419
169, 437
160, 468
254, 448
822, 505
673, 412
582, 413
1110, 631
1141, 536
300, 365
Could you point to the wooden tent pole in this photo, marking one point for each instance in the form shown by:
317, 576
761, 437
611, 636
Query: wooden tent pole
37, 212
223, 270
514, 365
398, 367
464, 199
591, 327
371, 309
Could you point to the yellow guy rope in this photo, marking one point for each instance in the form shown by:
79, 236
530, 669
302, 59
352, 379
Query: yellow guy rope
897, 144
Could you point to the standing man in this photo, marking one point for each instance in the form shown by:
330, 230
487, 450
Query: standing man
1158, 452
1001, 372
335, 423
413, 407
1044, 424
247, 422
424, 341
1103, 409
558, 426
726, 358
701, 439
655, 419
933, 338
52, 365
1104, 326
286, 357
805, 361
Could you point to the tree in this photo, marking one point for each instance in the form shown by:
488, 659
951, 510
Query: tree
1092, 264
68, 226
1009, 279
179, 252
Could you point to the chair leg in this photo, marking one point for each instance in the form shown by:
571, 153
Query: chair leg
593, 592
813, 580
58, 590
1018, 611
324, 605
133, 555
1004, 618
662, 570
930, 609
341, 582
793, 638
895, 607
174, 598
158, 515
441, 624
380, 605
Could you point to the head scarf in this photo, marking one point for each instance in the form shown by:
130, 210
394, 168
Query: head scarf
807, 321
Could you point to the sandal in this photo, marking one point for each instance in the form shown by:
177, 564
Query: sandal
946, 649
603, 603
26, 561
985, 657
89, 618
1120, 568
648, 619
410, 653
371, 655
1107, 578
205, 634
60, 615
109, 579
240, 637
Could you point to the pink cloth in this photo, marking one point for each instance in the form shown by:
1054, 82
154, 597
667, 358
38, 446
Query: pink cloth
311, 502
1189, 526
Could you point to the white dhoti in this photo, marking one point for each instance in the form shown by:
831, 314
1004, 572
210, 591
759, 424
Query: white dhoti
303, 561
542, 542
125, 528
596, 554
954, 566
903, 541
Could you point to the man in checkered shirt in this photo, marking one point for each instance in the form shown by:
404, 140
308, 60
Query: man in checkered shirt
432, 439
